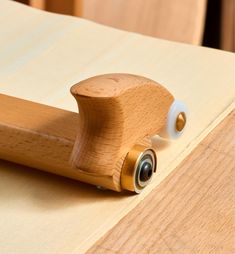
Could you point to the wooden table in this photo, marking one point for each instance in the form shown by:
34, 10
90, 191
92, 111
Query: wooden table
192, 211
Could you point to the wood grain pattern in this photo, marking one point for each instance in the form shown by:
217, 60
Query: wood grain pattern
116, 112
39, 209
192, 211
42, 137
94, 143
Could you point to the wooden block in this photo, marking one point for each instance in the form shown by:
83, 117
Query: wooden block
91, 146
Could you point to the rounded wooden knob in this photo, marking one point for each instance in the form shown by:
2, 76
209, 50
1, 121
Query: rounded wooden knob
116, 111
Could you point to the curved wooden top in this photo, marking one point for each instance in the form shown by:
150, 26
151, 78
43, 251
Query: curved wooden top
110, 85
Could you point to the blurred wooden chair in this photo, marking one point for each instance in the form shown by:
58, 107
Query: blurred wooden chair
177, 20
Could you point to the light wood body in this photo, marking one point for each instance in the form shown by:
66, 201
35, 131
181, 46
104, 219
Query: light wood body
41, 137
116, 112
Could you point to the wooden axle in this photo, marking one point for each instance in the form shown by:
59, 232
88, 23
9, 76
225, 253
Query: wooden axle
102, 144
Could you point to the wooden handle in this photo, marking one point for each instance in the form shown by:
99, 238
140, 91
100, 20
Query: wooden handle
116, 113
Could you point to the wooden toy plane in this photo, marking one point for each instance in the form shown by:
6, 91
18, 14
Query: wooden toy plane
104, 144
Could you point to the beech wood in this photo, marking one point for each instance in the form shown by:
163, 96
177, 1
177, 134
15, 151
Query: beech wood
116, 112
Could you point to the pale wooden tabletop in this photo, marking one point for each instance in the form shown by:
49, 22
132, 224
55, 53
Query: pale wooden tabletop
192, 211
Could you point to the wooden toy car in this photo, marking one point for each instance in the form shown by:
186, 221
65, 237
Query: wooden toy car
105, 144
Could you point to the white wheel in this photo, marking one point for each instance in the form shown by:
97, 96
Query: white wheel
176, 120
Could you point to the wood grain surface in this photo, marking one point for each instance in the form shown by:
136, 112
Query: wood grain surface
116, 111
192, 211
42, 55
94, 143
42, 137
